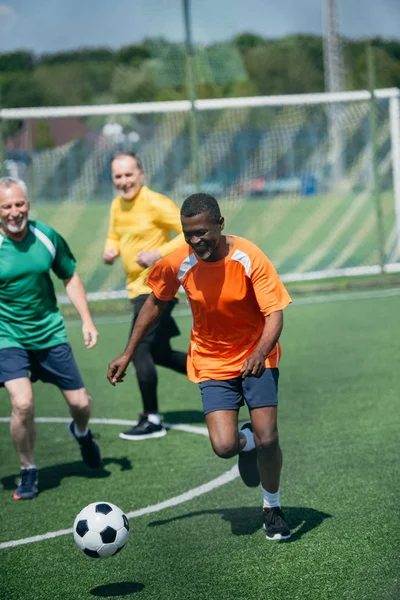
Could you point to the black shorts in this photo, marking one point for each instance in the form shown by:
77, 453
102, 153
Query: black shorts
163, 329
231, 394
52, 365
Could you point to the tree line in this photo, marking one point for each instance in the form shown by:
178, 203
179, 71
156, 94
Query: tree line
155, 70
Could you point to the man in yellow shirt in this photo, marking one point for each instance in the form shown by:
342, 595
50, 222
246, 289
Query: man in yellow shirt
141, 222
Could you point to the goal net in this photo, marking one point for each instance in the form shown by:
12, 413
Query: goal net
301, 176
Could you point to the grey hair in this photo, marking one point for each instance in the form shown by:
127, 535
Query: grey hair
7, 182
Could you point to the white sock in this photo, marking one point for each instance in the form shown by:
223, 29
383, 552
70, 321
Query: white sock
78, 433
250, 445
29, 467
154, 418
271, 500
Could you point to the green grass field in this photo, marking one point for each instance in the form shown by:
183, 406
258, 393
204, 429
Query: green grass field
339, 426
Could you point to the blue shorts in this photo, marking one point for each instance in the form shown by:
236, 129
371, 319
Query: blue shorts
52, 365
231, 394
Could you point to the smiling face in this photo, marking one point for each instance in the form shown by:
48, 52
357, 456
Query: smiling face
203, 234
14, 208
127, 176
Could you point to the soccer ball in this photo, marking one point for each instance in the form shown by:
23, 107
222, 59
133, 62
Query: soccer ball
101, 529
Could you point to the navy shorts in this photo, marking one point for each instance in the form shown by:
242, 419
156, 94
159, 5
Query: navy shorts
231, 394
52, 365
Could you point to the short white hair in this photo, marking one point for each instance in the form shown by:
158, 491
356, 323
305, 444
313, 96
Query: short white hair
7, 182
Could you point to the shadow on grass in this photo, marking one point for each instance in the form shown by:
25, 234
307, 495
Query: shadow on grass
184, 416
247, 520
51, 477
123, 588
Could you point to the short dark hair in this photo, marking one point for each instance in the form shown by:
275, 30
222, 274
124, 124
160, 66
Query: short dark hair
196, 204
127, 153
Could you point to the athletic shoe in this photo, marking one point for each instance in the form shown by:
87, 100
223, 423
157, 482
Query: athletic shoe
144, 430
247, 463
27, 485
275, 526
89, 448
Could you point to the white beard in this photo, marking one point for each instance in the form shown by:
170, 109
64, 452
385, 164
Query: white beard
15, 228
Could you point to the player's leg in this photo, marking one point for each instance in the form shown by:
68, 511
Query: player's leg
23, 434
149, 425
261, 394
222, 426
266, 437
57, 365
15, 366
221, 403
165, 329
22, 424
80, 403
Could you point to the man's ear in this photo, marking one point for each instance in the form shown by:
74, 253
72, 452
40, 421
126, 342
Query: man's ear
221, 223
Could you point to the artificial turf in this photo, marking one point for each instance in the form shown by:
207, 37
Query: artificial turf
339, 420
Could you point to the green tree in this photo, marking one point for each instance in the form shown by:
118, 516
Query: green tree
13, 62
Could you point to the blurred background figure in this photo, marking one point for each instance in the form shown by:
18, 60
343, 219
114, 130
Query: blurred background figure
141, 222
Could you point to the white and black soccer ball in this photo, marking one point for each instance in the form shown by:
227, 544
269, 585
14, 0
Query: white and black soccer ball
101, 529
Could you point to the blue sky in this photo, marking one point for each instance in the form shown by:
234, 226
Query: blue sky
55, 25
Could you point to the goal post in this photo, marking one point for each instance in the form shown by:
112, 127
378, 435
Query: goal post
269, 160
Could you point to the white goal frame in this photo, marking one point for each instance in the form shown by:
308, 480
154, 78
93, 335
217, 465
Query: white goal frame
390, 94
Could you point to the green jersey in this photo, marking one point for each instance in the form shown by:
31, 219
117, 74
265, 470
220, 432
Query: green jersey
29, 315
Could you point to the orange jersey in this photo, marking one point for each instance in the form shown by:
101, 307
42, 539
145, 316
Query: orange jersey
229, 300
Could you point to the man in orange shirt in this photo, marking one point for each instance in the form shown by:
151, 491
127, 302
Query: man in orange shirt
237, 299
141, 222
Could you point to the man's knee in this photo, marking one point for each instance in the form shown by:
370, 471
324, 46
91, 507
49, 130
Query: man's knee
21, 398
225, 448
267, 442
78, 399
23, 407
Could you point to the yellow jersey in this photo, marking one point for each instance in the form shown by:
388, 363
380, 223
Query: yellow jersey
143, 223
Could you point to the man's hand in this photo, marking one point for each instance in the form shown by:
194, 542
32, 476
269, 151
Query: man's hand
109, 256
254, 365
147, 258
90, 334
117, 369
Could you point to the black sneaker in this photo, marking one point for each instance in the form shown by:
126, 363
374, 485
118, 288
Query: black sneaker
275, 526
28, 485
144, 430
247, 463
89, 448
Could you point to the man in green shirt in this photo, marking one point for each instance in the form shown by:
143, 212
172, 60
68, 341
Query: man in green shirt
33, 340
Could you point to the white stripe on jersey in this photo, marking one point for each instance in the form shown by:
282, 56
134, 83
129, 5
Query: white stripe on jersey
44, 239
186, 265
1, 239
243, 259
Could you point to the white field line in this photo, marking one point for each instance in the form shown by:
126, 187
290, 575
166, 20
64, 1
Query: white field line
125, 422
226, 477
